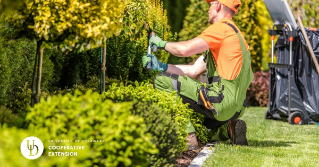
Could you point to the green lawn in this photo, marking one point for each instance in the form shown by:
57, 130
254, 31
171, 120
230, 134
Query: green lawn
271, 143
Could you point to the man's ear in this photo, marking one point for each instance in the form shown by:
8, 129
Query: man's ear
219, 7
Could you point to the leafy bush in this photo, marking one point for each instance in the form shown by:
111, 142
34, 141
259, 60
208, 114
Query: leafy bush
11, 155
307, 10
17, 63
196, 20
265, 23
168, 102
124, 52
176, 12
258, 91
7, 117
78, 68
71, 25
86, 117
164, 131
19, 101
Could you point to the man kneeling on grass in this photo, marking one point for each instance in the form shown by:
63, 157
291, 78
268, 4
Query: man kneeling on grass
227, 61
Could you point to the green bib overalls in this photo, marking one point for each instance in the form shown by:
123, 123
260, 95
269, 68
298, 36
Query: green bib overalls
220, 101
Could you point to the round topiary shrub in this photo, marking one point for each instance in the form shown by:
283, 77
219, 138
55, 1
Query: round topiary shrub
87, 117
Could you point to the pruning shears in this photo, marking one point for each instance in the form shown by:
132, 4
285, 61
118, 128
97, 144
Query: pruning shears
151, 34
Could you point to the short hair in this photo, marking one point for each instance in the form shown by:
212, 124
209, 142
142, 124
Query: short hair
228, 10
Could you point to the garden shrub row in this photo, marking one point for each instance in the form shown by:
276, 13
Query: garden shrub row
78, 116
179, 111
17, 63
164, 133
11, 155
64, 69
19, 101
7, 117
87, 117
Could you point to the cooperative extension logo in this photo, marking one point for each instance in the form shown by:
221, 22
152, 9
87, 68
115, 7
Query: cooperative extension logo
31, 147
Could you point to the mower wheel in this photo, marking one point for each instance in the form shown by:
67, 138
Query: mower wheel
268, 115
296, 118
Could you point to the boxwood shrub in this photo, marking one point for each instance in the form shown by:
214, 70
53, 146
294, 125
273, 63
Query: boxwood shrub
164, 131
10, 154
87, 117
171, 103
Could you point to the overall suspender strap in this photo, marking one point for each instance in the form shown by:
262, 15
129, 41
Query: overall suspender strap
232, 26
203, 98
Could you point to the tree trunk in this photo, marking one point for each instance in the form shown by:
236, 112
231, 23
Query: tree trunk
34, 74
103, 69
40, 58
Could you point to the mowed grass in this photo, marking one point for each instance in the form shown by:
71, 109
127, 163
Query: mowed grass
271, 143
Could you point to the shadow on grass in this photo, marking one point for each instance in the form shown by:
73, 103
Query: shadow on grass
280, 120
269, 143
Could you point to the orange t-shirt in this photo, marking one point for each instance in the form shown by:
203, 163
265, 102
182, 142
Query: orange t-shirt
225, 46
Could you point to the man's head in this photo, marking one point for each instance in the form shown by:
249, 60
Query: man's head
222, 8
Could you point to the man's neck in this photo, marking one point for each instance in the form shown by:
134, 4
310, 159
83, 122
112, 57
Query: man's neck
222, 16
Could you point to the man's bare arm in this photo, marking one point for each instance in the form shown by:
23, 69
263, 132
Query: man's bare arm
190, 70
187, 48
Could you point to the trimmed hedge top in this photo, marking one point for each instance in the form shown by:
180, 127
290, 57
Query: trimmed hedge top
87, 117
168, 102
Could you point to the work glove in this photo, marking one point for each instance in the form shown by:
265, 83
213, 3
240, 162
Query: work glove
155, 63
158, 42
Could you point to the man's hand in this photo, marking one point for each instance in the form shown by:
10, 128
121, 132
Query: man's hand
158, 41
155, 64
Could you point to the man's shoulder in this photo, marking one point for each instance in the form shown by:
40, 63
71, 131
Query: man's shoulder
217, 25
216, 28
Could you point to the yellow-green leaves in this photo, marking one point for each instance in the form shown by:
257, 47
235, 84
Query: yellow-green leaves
181, 114
78, 24
307, 10
86, 117
125, 52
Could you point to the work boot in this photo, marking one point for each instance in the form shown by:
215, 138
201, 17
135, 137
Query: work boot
237, 132
192, 141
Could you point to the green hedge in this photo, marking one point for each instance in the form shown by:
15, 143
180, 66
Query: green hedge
176, 12
60, 70
196, 20
11, 139
307, 10
17, 64
164, 132
7, 117
168, 102
125, 51
87, 117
